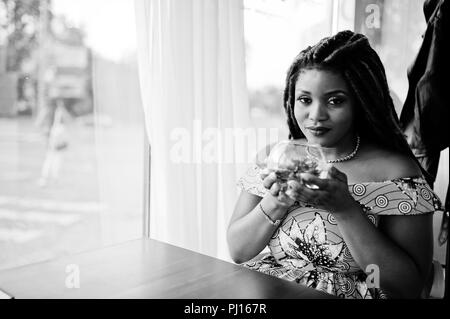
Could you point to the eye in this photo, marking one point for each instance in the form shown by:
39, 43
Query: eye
304, 100
335, 100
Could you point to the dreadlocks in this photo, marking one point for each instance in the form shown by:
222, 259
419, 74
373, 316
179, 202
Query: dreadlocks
351, 55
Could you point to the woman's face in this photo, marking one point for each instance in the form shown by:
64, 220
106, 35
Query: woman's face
324, 108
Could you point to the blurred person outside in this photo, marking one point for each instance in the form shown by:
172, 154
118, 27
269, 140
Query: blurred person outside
54, 120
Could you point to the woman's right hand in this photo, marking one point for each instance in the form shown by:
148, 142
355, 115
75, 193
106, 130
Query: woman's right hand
283, 195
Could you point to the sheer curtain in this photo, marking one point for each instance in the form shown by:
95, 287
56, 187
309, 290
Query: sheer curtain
192, 75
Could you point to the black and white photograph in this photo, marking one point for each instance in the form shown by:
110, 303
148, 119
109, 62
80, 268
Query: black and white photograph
224, 153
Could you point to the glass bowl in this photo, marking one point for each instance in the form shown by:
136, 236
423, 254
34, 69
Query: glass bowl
289, 158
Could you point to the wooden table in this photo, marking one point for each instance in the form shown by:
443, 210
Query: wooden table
146, 268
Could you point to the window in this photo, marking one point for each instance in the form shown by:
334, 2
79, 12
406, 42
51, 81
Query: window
71, 128
394, 29
275, 32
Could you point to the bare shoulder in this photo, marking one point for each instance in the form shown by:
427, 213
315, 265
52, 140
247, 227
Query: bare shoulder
387, 164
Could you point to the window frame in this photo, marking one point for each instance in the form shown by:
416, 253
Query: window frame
146, 188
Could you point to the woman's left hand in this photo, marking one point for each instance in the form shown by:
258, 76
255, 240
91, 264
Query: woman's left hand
332, 193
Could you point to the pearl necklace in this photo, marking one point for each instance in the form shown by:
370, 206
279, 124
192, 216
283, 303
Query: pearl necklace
345, 158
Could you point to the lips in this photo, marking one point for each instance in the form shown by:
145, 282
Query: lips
318, 130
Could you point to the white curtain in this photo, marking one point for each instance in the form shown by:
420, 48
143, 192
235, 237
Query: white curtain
192, 73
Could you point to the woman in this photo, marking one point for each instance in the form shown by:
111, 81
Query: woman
374, 211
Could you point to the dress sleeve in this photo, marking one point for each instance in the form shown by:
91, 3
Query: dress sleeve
252, 183
403, 196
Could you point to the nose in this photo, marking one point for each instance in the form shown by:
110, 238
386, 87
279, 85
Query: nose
318, 112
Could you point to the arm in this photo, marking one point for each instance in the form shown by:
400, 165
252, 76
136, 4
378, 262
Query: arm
401, 247
249, 231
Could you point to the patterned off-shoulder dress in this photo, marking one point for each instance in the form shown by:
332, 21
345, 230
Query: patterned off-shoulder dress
308, 248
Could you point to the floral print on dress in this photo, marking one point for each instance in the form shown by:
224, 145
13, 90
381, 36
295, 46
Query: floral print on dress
309, 249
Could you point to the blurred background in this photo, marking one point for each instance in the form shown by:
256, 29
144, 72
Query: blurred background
71, 128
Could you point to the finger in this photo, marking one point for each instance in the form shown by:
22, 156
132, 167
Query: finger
263, 173
274, 189
282, 197
313, 201
270, 180
314, 180
292, 194
293, 185
308, 195
333, 172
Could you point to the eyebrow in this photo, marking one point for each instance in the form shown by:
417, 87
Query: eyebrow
326, 93
335, 91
